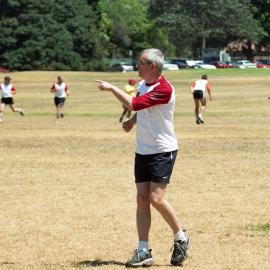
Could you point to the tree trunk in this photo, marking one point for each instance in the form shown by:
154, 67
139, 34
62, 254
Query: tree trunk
203, 46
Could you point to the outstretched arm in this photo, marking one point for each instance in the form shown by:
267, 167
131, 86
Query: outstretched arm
123, 97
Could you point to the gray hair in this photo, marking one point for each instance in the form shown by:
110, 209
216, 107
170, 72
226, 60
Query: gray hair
154, 56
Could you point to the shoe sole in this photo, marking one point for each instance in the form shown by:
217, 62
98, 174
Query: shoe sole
146, 263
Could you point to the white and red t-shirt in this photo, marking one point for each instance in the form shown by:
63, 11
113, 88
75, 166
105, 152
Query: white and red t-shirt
201, 85
7, 90
155, 106
60, 90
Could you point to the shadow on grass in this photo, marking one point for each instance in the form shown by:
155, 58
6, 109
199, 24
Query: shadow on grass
98, 262
6, 263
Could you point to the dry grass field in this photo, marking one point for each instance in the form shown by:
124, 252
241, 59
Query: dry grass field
67, 190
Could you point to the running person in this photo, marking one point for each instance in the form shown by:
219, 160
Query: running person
60, 91
131, 90
198, 89
156, 151
8, 90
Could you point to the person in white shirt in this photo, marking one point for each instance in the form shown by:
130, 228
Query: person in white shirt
156, 150
198, 90
8, 90
61, 91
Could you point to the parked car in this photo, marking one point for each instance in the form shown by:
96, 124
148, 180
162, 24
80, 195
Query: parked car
168, 66
263, 64
4, 70
181, 63
230, 64
219, 64
235, 64
204, 66
192, 63
122, 66
245, 64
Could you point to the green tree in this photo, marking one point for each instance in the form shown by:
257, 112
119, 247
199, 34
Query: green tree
260, 10
191, 23
129, 29
50, 34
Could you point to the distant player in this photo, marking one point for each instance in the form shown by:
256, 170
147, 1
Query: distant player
131, 90
8, 90
60, 91
198, 89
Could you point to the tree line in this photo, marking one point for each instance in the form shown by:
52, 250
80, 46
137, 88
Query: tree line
82, 34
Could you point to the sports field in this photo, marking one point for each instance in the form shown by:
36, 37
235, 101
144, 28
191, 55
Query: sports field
67, 191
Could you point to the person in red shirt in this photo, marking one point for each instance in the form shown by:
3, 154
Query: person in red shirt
198, 90
7, 91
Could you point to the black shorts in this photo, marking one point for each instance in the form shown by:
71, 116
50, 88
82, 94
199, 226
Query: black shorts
154, 168
59, 101
198, 94
7, 100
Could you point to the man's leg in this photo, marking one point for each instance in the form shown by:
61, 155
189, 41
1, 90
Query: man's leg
14, 109
62, 111
123, 114
143, 214
142, 255
128, 114
57, 112
2, 107
181, 240
202, 109
197, 110
157, 199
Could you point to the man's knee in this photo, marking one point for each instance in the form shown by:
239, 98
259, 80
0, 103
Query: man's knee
155, 200
142, 199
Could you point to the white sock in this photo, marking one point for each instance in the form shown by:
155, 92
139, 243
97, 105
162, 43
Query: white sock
200, 116
143, 245
180, 236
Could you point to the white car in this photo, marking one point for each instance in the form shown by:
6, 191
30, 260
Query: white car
122, 66
245, 64
192, 63
204, 66
168, 66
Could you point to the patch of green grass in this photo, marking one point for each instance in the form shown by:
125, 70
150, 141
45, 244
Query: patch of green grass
259, 227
